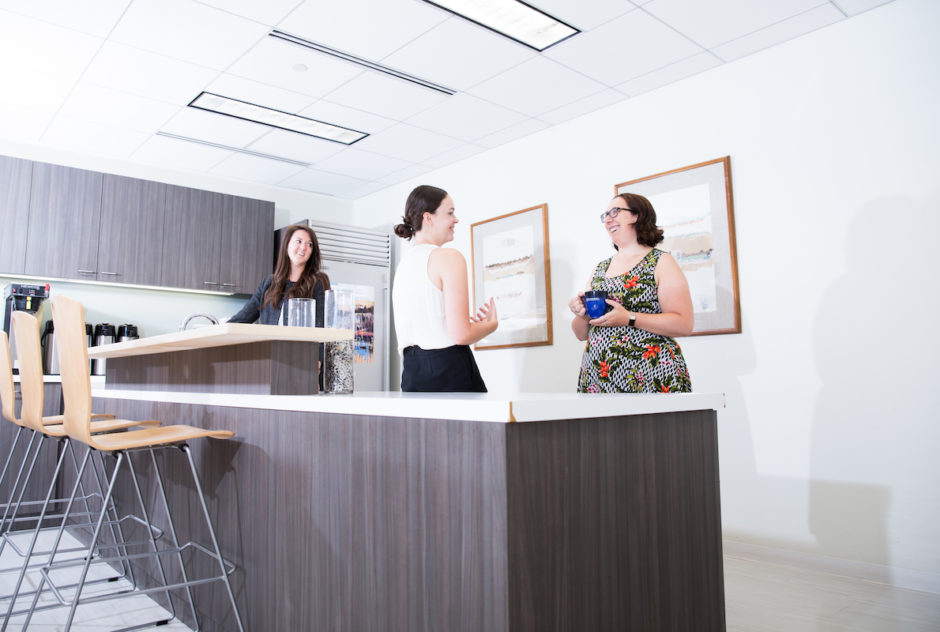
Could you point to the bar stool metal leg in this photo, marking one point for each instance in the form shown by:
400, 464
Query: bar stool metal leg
32, 546
215, 540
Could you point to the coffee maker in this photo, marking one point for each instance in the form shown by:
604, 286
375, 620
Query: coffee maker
20, 297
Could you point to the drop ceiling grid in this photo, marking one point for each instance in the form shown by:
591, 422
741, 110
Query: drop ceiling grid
145, 60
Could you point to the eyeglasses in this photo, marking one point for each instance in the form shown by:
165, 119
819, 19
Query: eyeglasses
612, 213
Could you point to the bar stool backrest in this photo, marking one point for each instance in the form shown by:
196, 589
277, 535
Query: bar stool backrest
7, 390
71, 343
26, 329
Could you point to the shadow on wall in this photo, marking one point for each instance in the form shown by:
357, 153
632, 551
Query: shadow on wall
874, 435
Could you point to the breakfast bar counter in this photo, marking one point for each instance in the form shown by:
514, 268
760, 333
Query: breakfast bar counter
476, 512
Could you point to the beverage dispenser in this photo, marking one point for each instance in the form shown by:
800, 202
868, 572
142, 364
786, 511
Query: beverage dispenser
20, 297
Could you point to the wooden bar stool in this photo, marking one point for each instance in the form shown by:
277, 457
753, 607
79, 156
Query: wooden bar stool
73, 362
32, 389
26, 327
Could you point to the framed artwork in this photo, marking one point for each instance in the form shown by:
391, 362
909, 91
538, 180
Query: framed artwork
695, 210
511, 265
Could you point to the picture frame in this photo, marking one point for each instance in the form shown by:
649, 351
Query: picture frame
511, 264
694, 207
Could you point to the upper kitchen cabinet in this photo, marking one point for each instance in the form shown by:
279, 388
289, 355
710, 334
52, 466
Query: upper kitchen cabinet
193, 225
15, 175
247, 243
64, 215
130, 241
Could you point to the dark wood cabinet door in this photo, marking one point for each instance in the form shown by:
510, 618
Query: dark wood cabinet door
247, 243
130, 243
15, 175
64, 213
192, 245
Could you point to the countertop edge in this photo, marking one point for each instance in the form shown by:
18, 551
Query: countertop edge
489, 407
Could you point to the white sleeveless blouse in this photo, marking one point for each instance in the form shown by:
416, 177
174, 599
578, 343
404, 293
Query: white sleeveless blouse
418, 305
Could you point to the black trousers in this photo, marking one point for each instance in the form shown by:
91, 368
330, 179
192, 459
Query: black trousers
447, 370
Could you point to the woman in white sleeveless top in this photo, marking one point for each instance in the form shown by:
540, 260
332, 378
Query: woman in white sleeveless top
431, 301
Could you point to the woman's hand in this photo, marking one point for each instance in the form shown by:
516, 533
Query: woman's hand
615, 317
486, 313
576, 305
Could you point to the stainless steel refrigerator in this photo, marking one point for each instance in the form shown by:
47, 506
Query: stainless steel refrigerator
359, 260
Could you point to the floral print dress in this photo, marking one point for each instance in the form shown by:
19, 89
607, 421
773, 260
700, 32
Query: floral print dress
626, 359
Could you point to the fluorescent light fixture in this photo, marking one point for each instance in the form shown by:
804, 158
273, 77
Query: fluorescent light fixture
512, 18
241, 150
275, 118
359, 61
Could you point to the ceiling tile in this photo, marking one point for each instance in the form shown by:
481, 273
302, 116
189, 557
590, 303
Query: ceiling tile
28, 89
361, 164
93, 138
255, 169
780, 32
405, 174
513, 133
584, 14
269, 12
626, 47
854, 7
259, 93
118, 109
185, 30
23, 122
454, 155
95, 18
47, 48
321, 182
344, 116
296, 146
214, 128
179, 155
583, 106
362, 190
147, 74
274, 61
385, 95
362, 27
669, 74
408, 143
473, 54
535, 87
708, 23
466, 117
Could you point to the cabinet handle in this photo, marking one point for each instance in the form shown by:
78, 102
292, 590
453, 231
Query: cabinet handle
111, 273
87, 272
209, 283
230, 284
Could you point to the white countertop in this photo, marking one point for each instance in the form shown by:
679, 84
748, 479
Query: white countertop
495, 407
217, 336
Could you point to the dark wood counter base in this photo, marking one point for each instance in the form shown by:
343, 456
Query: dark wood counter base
359, 523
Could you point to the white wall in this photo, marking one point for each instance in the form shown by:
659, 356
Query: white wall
829, 437
154, 311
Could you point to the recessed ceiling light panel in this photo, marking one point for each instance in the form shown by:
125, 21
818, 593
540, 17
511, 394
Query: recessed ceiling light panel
275, 118
512, 18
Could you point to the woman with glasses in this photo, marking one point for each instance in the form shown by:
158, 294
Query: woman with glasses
631, 348
430, 299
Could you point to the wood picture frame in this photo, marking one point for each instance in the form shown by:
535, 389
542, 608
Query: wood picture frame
695, 209
510, 256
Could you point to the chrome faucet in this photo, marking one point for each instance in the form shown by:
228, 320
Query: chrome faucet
210, 317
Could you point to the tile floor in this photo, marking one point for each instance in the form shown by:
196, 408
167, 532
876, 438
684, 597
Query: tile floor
760, 596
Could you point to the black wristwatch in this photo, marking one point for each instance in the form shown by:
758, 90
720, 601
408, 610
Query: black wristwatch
632, 322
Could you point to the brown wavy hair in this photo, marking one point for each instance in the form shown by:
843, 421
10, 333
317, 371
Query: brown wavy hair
647, 232
309, 278
423, 199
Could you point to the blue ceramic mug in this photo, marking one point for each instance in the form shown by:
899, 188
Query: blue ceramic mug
595, 302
